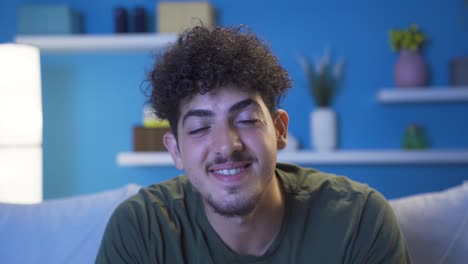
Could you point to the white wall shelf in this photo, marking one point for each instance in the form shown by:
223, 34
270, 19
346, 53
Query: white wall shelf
423, 94
363, 157
101, 43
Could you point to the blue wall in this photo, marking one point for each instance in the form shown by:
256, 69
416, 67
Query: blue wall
92, 101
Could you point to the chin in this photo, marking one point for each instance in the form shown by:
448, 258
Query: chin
233, 208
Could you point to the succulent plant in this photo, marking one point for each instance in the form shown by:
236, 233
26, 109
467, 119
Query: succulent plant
324, 80
409, 39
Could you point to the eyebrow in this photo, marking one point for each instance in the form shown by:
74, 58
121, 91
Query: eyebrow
242, 104
208, 113
198, 113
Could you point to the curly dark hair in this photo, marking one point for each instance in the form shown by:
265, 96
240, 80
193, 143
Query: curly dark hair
203, 59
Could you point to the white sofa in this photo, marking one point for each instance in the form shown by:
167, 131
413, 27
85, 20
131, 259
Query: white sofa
70, 230
435, 225
57, 231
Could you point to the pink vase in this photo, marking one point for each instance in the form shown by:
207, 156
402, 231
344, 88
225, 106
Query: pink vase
410, 69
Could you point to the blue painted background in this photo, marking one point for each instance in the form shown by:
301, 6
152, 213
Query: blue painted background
92, 101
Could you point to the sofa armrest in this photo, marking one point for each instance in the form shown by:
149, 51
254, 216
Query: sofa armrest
65, 230
435, 225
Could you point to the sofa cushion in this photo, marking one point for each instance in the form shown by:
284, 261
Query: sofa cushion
65, 230
435, 225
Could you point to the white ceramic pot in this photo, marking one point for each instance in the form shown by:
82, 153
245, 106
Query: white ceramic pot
323, 126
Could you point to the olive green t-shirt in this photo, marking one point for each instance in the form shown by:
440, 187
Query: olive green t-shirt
328, 219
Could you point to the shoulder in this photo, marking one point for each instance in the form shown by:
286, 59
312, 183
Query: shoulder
138, 222
332, 192
377, 237
355, 214
152, 201
301, 181
164, 193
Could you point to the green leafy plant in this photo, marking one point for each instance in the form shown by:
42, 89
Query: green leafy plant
324, 80
409, 39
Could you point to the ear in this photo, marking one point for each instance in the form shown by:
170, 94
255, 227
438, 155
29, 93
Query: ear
170, 142
281, 121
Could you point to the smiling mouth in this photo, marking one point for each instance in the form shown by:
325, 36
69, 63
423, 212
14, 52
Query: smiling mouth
230, 171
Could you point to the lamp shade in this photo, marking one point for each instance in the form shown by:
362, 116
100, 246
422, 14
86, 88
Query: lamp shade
20, 95
20, 124
21, 175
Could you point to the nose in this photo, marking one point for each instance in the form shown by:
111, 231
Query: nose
226, 141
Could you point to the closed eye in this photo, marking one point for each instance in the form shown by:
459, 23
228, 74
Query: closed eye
198, 130
248, 121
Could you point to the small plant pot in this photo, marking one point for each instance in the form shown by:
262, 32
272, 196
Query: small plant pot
410, 69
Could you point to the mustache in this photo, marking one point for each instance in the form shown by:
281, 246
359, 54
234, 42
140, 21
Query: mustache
234, 157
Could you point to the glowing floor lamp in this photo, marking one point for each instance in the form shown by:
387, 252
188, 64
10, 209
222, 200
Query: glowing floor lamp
20, 124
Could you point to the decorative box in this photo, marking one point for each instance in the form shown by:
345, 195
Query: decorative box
149, 138
47, 19
177, 16
459, 71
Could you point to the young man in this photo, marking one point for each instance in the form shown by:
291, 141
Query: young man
220, 91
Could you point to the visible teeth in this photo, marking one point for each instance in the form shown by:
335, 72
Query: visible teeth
228, 172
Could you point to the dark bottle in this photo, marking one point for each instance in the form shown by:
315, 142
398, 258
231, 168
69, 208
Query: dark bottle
120, 20
140, 19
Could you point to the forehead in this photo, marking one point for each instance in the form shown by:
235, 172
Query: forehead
220, 99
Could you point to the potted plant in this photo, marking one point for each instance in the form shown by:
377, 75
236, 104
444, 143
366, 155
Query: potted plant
323, 83
410, 69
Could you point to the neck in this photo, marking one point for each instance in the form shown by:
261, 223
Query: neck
253, 233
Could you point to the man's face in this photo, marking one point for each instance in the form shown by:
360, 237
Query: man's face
227, 144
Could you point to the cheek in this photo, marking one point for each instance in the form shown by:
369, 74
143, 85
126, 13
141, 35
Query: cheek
193, 152
260, 138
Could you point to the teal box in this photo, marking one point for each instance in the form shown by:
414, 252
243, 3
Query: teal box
48, 19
